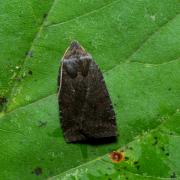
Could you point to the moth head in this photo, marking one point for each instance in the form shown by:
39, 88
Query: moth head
76, 60
75, 50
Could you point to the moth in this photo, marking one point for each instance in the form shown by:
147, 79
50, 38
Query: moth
86, 110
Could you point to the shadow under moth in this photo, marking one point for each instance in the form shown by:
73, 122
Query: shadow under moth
86, 111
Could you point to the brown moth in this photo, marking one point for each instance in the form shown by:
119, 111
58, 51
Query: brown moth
86, 111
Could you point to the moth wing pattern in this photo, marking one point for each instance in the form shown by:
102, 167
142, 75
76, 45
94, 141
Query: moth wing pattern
84, 102
100, 114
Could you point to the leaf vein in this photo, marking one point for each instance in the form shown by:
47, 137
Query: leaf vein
135, 139
143, 43
83, 15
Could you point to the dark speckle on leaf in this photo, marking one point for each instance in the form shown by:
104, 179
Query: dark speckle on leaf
45, 15
42, 123
29, 53
126, 158
138, 166
167, 154
173, 175
155, 141
37, 171
169, 89
2, 100
162, 148
130, 148
135, 162
30, 72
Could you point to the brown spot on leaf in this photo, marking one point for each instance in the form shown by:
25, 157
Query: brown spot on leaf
116, 156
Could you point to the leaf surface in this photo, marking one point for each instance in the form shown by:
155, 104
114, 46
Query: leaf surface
135, 43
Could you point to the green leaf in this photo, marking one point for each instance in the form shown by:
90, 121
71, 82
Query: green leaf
137, 46
153, 155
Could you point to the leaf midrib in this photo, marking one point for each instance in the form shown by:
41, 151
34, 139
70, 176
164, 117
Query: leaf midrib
83, 15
